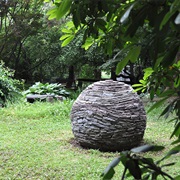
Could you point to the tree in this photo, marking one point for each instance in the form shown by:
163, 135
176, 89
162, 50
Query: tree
145, 31
112, 25
18, 21
28, 42
74, 55
44, 53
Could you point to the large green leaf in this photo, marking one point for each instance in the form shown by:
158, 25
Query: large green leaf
147, 72
157, 104
169, 92
137, 20
176, 131
132, 56
63, 8
88, 43
64, 37
166, 19
67, 40
109, 171
170, 56
52, 13
146, 148
121, 65
134, 168
137, 85
76, 18
134, 53
67, 31
173, 151
167, 110
126, 14
174, 8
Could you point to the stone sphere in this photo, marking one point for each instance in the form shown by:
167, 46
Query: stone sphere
108, 116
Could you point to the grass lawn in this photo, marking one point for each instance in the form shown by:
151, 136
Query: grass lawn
36, 142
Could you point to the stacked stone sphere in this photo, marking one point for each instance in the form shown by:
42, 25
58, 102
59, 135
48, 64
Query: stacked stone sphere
108, 116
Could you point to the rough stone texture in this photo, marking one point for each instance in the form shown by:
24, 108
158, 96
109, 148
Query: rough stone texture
108, 116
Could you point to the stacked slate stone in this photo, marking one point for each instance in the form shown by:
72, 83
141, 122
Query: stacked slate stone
108, 116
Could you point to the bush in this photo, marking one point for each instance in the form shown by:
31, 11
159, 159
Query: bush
8, 86
47, 89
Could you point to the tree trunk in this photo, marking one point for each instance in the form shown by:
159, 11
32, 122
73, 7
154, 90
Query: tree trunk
97, 74
113, 74
71, 78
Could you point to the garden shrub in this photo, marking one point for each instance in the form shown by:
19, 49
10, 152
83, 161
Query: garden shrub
47, 89
9, 87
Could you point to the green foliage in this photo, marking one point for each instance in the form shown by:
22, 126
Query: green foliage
130, 28
19, 20
60, 9
47, 89
143, 82
165, 84
29, 43
140, 167
9, 87
151, 25
70, 31
42, 49
87, 72
113, 23
131, 56
73, 54
88, 43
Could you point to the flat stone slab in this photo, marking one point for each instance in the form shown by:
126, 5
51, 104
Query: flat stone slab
32, 97
38, 96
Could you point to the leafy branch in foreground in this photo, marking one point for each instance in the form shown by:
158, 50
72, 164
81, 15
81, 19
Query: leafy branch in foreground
140, 167
164, 82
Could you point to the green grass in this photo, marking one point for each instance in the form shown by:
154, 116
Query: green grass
36, 142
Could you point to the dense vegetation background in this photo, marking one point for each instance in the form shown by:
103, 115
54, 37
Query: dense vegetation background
30, 45
138, 40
